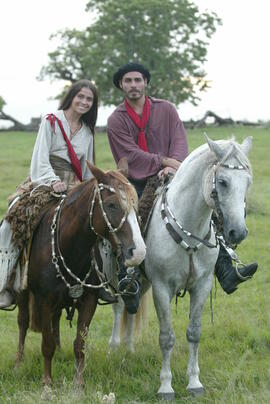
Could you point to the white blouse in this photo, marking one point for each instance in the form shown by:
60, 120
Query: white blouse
49, 144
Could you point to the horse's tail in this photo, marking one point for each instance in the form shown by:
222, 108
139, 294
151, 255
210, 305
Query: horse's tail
141, 317
35, 316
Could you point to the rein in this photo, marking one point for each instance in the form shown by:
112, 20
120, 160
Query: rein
173, 227
76, 291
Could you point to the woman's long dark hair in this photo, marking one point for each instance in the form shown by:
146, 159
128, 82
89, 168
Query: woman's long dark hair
90, 118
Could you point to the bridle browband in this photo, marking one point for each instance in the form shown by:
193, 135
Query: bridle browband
76, 290
175, 228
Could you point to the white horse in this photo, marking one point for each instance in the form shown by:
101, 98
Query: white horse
181, 244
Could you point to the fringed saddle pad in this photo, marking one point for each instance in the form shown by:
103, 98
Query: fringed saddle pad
153, 188
24, 215
147, 199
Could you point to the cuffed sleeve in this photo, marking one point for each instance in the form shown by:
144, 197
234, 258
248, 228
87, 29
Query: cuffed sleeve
41, 171
178, 148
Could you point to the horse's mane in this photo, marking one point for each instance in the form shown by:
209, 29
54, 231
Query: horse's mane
224, 144
121, 183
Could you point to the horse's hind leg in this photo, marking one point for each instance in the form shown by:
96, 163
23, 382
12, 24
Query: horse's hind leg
166, 339
86, 311
198, 295
118, 308
23, 323
128, 332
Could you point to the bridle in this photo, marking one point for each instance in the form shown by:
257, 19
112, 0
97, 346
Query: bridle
76, 291
99, 187
175, 228
219, 220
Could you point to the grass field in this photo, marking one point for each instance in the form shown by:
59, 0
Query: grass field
234, 351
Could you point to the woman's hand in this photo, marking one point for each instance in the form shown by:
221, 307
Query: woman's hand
59, 186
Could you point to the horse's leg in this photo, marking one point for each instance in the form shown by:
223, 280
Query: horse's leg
48, 343
198, 295
128, 336
23, 323
118, 308
166, 339
56, 327
86, 311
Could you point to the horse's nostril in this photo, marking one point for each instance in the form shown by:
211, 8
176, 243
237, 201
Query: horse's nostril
236, 237
130, 252
232, 235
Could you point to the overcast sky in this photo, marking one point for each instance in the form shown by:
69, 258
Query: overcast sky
238, 58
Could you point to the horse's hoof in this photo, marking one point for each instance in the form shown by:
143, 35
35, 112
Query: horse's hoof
48, 393
166, 396
198, 391
18, 363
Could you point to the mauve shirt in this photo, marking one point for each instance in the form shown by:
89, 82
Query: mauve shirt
165, 136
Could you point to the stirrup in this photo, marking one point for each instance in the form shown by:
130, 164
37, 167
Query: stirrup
130, 283
243, 278
12, 307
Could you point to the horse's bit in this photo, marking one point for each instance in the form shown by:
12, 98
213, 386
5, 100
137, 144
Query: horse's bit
76, 291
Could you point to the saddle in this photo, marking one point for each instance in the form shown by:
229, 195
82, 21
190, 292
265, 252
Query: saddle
27, 207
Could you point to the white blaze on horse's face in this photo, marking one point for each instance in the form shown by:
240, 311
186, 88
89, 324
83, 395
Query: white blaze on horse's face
137, 255
140, 248
232, 185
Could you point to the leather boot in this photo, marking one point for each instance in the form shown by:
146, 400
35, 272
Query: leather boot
227, 275
128, 282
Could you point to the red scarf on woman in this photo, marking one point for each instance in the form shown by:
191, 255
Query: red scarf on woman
140, 122
75, 162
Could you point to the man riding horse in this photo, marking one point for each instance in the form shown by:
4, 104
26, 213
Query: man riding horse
150, 134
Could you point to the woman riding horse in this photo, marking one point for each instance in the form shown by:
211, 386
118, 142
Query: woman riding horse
64, 142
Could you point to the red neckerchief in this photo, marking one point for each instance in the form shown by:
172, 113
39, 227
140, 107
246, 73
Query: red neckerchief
140, 122
76, 165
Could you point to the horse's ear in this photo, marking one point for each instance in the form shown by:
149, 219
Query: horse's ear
123, 166
99, 175
246, 145
215, 148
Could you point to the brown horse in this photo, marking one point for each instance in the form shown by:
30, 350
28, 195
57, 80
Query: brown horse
59, 274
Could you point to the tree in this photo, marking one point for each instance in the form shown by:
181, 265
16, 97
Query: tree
17, 125
170, 37
5, 117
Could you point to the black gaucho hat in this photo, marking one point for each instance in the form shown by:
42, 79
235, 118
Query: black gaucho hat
130, 67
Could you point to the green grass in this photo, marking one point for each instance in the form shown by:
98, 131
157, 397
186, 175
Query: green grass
234, 351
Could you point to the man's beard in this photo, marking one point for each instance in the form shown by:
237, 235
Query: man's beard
134, 94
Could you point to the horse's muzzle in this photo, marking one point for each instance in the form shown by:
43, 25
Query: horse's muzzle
236, 236
133, 255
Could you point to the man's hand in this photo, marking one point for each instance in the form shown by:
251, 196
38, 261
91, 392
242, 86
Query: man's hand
172, 163
59, 186
165, 171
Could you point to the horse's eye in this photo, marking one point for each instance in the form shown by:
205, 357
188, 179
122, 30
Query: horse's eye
223, 183
111, 206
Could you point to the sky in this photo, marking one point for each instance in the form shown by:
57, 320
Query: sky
238, 63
